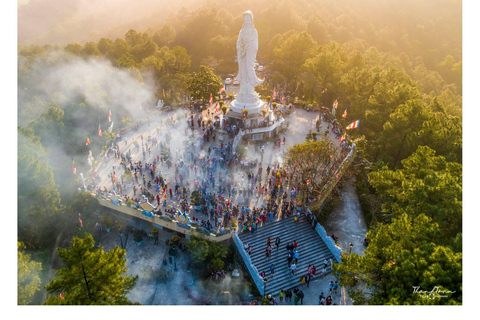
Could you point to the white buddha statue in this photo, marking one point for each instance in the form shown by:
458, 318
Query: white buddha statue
247, 47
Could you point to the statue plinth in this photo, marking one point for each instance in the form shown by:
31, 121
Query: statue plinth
253, 105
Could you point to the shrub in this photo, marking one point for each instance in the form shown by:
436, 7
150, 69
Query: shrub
196, 198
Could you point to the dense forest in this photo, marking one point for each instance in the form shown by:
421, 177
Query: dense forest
395, 65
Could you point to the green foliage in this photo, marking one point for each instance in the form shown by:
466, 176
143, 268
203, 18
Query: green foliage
126, 122
196, 197
108, 136
202, 84
208, 256
39, 204
290, 50
28, 281
399, 132
106, 220
165, 36
401, 256
91, 276
323, 70
428, 185
84, 204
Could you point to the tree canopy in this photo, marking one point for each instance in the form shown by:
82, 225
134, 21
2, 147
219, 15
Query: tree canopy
208, 256
400, 257
203, 84
90, 276
28, 276
312, 162
427, 184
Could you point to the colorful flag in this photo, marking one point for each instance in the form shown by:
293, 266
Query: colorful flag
342, 137
222, 89
99, 131
88, 142
109, 116
335, 104
274, 93
353, 125
163, 93
282, 101
74, 168
324, 90
80, 219
211, 99
344, 115
61, 295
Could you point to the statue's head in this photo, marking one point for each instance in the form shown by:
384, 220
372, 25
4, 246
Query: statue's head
248, 19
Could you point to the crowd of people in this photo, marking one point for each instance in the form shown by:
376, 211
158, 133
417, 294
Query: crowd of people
235, 193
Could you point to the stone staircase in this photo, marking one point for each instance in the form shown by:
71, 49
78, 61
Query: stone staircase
311, 248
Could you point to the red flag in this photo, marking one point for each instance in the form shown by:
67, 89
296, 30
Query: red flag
88, 142
74, 168
61, 296
80, 219
274, 93
99, 131
282, 101
109, 116
211, 99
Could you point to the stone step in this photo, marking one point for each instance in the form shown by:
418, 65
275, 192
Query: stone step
312, 251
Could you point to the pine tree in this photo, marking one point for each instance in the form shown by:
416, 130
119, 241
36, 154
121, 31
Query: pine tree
28, 276
91, 276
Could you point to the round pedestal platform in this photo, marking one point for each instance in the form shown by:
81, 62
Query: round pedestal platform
252, 107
